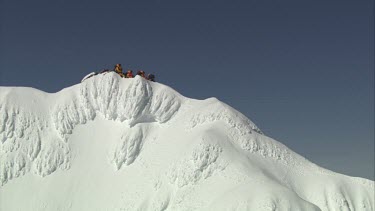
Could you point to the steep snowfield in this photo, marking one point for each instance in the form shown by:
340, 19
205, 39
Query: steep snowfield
130, 144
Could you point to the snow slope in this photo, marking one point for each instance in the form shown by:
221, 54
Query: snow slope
129, 144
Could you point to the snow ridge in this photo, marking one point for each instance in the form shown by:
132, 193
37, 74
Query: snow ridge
136, 103
28, 143
162, 151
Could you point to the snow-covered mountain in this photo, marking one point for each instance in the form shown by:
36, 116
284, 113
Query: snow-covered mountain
129, 144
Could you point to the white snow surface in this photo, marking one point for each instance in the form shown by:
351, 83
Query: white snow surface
130, 144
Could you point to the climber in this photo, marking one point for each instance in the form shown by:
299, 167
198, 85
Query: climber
118, 70
151, 77
141, 73
129, 74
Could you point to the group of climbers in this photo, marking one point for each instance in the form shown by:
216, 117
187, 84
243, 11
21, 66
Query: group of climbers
129, 73
118, 70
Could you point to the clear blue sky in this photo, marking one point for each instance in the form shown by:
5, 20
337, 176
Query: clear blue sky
303, 71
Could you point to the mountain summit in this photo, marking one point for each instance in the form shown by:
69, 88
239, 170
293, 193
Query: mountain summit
130, 144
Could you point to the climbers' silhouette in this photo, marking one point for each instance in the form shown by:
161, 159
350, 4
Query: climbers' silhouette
141, 73
118, 70
129, 74
151, 77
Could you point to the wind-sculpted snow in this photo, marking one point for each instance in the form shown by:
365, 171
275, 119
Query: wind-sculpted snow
35, 138
27, 145
127, 150
135, 102
241, 130
218, 111
201, 164
130, 144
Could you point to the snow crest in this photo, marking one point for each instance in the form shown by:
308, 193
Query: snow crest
218, 111
35, 139
134, 103
145, 147
241, 131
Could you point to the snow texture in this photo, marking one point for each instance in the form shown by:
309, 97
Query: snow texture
130, 144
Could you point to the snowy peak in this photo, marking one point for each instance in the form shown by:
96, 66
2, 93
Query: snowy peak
35, 126
131, 100
111, 143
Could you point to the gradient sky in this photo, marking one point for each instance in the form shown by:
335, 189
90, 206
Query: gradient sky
303, 71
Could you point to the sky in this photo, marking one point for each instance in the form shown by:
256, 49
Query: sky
303, 71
